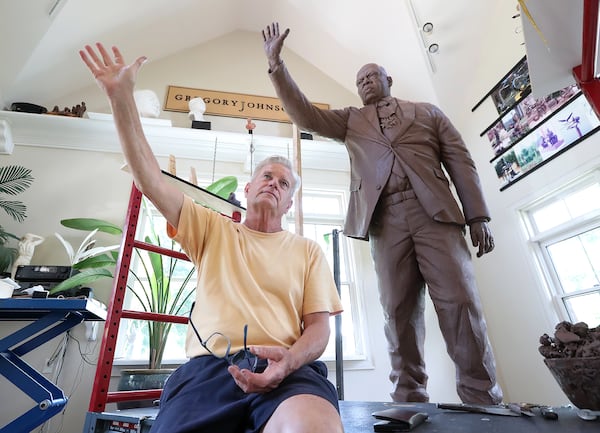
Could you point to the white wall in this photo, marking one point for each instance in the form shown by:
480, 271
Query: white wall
516, 303
518, 306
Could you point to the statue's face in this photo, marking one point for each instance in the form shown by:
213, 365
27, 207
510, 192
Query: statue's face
372, 83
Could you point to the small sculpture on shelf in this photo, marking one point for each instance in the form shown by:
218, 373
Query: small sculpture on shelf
196, 114
250, 125
197, 109
147, 103
75, 111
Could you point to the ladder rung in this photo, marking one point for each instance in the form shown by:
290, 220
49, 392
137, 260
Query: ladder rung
147, 394
156, 317
160, 250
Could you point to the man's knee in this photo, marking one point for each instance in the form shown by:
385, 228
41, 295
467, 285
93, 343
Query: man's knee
304, 413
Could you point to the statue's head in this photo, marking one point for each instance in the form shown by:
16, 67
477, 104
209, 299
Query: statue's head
372, 83
147, 103
197, 108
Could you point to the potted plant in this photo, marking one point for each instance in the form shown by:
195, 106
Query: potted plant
14, 179
88, 263
157, 285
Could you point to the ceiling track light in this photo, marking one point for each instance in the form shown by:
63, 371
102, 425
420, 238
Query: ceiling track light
425, 30
433, 48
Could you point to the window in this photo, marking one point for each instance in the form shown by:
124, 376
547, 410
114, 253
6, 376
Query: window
162, 272
564, 231
323, 212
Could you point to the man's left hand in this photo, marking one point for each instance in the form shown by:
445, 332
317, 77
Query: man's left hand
270, 378
481, 236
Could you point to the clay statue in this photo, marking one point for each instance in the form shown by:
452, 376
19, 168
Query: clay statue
401, 201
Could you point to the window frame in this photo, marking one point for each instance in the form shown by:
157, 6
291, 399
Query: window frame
361, 357
130, 300
540, 240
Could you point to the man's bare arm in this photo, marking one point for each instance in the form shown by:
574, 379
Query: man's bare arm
117, 80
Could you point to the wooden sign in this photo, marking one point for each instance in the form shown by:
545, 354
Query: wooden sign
229, 104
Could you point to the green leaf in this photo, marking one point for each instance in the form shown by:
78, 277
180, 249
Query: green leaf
90, 224
16, 209
96, 262
223, 187
7, 256
80, 279
67, 246
6, 236
14, 179
97, 251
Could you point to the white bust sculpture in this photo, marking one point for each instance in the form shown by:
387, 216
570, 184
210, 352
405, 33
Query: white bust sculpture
147, 103
197, 109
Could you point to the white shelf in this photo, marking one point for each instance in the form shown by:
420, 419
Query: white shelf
144, 120
100, 135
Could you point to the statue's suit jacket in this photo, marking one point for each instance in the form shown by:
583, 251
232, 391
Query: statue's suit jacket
424, 141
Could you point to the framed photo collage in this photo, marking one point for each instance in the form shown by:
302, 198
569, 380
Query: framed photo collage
530, 132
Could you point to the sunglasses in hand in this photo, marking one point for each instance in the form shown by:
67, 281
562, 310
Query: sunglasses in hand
244, 359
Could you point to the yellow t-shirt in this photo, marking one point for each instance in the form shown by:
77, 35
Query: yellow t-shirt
266, 280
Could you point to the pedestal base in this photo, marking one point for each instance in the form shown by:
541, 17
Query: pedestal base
200, 124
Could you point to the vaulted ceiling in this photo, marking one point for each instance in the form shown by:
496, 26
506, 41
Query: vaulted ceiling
39, 40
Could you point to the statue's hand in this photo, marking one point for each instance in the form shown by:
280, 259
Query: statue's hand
273, 43
481, 236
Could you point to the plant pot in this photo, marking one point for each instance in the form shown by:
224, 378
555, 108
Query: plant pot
579, 378
141, 379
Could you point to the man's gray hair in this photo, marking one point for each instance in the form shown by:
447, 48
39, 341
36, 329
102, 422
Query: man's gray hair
282, 160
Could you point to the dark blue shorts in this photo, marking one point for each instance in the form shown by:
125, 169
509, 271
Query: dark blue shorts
201, 396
